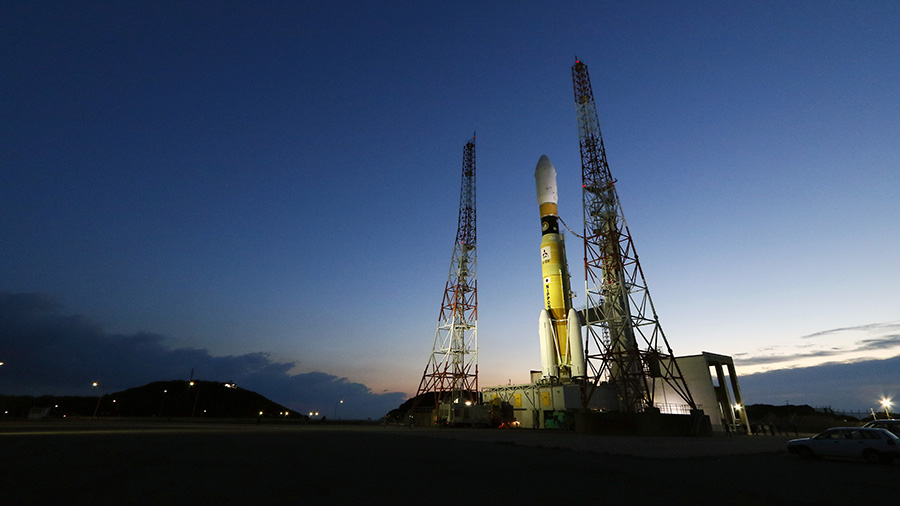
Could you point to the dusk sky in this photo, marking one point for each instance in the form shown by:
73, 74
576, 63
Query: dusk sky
267, 192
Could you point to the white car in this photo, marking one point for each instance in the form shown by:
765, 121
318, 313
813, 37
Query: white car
874, 445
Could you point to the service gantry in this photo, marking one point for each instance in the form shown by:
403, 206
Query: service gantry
451, 374
623, 334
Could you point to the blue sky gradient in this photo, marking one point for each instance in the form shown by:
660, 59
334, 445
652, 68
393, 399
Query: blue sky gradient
284, 179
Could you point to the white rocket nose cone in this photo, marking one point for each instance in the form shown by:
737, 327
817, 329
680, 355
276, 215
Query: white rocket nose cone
545, 179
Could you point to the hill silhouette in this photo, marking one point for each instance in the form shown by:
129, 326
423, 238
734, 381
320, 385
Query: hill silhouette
791, 418
169, 399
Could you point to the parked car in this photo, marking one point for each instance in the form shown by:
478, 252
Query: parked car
888, 423
874, 445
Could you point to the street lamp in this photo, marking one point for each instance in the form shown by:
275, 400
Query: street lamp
886, 403
163, 403
336, 404
94, 385
737, 415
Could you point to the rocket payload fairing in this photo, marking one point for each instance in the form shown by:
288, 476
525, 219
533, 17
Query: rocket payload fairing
562, 353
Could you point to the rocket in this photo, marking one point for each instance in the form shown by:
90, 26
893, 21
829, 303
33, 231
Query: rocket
559, 328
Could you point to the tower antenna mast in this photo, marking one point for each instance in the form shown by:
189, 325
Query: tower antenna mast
623, 334
451, 374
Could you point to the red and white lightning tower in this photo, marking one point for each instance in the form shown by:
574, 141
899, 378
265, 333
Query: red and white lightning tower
623, 336
452, 370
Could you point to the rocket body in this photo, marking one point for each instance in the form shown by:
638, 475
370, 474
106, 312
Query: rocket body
555, 320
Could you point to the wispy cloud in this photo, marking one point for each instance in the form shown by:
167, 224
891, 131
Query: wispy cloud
880, 343
48, 352
870, 327
774, 359
842, 345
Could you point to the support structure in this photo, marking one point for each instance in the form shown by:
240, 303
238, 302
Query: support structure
451, 374
624, 344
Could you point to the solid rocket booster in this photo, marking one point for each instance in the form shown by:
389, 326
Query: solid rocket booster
549, 352
576, 348
562, 353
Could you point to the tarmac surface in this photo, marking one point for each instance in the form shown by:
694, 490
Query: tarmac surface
170, 463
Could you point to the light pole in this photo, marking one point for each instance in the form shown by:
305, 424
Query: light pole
336, 404
196, 397
94, 385
163, 403
886, 403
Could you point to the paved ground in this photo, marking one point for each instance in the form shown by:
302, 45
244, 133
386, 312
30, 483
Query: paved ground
656, 447
169, 463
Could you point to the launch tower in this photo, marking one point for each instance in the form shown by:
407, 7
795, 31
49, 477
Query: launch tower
625, 346
451, 374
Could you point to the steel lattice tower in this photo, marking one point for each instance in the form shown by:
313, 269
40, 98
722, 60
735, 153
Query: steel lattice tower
622, 344
452, 370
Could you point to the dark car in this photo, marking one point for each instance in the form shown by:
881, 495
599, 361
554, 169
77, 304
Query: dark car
889, 424
874, 445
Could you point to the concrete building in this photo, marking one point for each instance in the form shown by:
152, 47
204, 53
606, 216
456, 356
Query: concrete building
714, 386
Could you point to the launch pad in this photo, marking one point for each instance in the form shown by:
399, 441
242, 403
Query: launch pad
553, 405
539, 404
547, 406
711, 377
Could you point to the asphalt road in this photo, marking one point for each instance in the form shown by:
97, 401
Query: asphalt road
97, 462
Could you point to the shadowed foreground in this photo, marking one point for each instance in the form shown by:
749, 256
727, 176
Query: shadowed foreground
119, 463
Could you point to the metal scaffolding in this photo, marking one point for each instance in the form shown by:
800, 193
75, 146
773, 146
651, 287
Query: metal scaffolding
451, 374
623, 334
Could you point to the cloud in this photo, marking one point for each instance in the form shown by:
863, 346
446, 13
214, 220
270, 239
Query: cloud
881, 343
48, 352
870, 327
774, 359
847, 344
843, 386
